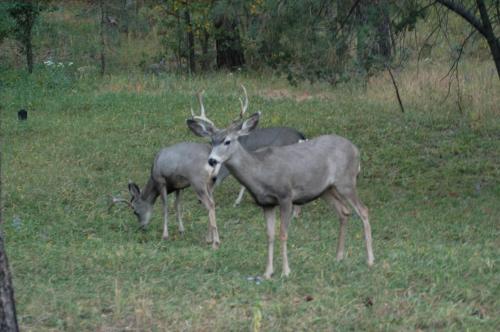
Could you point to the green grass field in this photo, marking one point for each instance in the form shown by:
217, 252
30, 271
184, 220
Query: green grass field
430, 176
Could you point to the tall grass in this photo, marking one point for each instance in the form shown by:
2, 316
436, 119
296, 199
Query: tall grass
429, 176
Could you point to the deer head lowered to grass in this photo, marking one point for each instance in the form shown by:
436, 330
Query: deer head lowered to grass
325, 167
175, 168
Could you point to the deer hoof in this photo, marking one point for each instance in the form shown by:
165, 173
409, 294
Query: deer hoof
267, 275
215, 245
285, 273
209, 238
165, 237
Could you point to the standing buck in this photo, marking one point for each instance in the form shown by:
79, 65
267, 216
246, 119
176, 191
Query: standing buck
259, 138
326, 167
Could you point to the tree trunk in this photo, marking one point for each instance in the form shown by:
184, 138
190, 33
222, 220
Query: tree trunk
28, 33
493, 42
205, 61
341, 47
482, 25
383, 31
29, 50
8, 319
103, 43
363, 38
126, 20
190, 40
228, 44
179, 45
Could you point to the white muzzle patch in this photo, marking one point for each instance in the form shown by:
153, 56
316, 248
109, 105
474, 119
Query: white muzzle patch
213, 171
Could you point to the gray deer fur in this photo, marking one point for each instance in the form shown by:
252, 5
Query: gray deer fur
186, 164
174, 169
325, 167
259, 138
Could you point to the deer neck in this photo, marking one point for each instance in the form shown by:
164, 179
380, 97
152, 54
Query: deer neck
244, 166
150, 192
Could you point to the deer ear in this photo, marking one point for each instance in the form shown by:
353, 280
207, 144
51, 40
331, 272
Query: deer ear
201, 128
134, 190
249, 124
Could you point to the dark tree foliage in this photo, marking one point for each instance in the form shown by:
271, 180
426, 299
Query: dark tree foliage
6, 21
25, 13
326, 40
180, 24
228, 43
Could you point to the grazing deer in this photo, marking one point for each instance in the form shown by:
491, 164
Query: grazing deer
325, 167
174, 169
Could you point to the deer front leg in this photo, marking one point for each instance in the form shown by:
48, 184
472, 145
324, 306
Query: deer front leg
270, 216
208, 201
213, 226
285, 216
165, 212
178, 211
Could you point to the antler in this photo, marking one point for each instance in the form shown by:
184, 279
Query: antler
244, 105
115, 200
202, 115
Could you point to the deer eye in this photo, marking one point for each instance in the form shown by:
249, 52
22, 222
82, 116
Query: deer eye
227, 142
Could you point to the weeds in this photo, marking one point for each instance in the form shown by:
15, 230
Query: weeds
429, 176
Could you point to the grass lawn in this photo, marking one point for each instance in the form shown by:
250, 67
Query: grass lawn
430, 177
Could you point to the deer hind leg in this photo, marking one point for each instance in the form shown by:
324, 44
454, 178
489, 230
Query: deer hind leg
240, 197
270, 216
350, 194
285, 217
163, 192
296, 211
333, 198
207, 200
178, 211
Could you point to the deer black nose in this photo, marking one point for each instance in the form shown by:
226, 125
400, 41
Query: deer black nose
212, 162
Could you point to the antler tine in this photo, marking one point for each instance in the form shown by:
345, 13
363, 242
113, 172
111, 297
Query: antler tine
202, 107
115, 200
244, 105
203, 115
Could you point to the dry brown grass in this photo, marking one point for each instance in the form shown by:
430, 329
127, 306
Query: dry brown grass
477, 90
